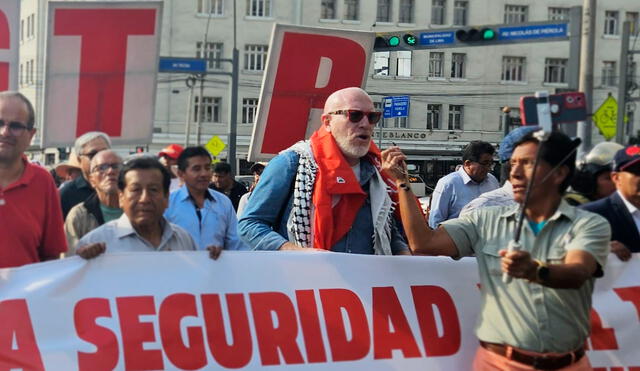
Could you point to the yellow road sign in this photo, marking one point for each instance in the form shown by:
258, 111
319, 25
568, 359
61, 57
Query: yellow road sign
606, 117
215, 145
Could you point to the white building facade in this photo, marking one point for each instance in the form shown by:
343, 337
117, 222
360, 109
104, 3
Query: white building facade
456, 94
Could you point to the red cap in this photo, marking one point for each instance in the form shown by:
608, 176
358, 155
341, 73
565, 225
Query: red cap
172, 151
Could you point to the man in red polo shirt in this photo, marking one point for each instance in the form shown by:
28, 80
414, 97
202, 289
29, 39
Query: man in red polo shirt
30, 214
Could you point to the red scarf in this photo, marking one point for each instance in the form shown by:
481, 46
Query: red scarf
335, 177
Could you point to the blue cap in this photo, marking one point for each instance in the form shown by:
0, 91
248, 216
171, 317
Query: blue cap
509, 141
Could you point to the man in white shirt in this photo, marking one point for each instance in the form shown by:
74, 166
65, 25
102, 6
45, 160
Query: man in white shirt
457, 189
143, 193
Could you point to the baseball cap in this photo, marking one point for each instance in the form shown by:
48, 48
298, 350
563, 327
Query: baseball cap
506, 146
257, 167
626, 157
172, 151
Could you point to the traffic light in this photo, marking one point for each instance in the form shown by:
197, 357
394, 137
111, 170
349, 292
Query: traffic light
393, 41
470, 35
410, 39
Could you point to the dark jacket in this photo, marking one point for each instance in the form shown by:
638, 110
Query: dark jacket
236, 193
73, 193
623, 228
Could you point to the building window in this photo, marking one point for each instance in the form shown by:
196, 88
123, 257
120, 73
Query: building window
555, 70
20, 75
212, 7
516, 13
460, 10
210, 108
455, 117
21, 30
400, 122
384, 11
351, 10
458, 64
633, 18
32, 26
213, 53
513, 68
437, 11
558, 14
328, 10
610, 22
434, 114
249, 110
381, 64
255, 57
259, 8
406, 11
436, 64
609, 73
404, 63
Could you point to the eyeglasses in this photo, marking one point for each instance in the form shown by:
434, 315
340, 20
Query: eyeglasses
103, 168
15, 128
90, 155
355, 115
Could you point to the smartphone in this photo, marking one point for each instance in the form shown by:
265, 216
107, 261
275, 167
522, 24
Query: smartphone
565, 108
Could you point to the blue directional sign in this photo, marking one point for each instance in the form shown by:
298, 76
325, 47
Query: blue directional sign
437, 38
396, 106
529, 32
184, 65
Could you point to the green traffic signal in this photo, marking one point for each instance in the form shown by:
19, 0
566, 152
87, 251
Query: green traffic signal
410, 39
394, 41
488, 34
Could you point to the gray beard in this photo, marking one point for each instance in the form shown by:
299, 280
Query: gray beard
351, 150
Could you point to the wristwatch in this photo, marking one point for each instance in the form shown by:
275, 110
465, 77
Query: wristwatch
404, 186
542, 271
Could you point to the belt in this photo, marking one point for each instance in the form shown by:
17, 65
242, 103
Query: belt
539, 362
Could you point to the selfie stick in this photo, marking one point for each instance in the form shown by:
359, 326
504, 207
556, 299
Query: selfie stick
544, 121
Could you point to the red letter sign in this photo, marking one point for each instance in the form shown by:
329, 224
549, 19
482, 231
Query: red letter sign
101, 63
305, 66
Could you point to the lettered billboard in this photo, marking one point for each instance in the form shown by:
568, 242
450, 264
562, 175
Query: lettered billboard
101, 70
305, 66
273, 311
9, 30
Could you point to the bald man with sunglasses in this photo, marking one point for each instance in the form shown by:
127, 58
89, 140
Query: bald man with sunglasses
327, 193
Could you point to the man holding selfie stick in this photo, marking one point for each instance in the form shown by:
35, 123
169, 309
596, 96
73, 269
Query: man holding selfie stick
539, 319
327, 193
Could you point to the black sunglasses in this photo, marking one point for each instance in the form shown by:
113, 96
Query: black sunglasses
355, 115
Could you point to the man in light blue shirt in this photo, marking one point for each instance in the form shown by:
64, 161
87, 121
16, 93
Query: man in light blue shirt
457, 189
207, 215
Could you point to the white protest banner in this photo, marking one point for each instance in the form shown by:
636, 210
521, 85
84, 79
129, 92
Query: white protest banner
305, 66
9, 31
102, 62
312, 311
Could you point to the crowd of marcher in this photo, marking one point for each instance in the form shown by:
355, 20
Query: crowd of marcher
338, 192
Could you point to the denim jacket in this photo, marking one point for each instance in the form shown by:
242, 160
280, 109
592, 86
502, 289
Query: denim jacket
263, 225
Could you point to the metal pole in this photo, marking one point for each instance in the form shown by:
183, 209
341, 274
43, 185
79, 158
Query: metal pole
575, 29
187, 131
622, 82
586, 71
380, 132
200, 114
233, 114
233, 97
573, 65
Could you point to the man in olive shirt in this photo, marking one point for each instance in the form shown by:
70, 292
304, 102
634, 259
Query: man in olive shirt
540, 320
